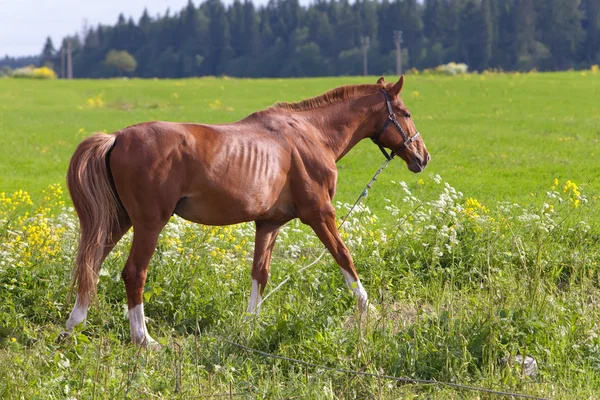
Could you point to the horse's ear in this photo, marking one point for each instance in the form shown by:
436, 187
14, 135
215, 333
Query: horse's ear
381, 81
395, 91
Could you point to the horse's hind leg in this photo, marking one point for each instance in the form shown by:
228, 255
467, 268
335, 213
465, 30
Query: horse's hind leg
134, 276
266, 234
79, 312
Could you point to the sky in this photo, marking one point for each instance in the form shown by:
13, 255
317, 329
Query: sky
25, 24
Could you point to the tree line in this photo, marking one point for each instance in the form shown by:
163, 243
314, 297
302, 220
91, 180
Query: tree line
328, 37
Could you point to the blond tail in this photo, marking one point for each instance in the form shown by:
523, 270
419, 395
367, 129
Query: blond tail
97, 206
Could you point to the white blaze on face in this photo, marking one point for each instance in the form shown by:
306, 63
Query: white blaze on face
137, 327
255, 298
357, 287
77, 316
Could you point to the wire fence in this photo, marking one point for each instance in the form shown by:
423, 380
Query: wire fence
404, 380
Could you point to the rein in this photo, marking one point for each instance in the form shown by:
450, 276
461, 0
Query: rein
392, 119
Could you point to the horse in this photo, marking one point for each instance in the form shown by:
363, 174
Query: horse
270, 167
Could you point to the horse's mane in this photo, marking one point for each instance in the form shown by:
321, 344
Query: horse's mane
330, 97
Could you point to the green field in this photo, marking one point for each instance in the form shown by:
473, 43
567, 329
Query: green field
492, 137
502, 257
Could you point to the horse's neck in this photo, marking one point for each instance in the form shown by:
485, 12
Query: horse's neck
338, 125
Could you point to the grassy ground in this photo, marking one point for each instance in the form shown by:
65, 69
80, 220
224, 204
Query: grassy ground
461, 282
493, 137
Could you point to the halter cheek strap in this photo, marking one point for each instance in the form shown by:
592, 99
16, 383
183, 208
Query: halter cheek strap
392, 119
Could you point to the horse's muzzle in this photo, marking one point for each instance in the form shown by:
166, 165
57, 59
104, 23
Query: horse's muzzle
418, 163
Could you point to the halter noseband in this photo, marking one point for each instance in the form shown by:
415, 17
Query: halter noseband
392, 119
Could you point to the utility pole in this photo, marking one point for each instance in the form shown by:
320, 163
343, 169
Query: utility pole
398, 41
364, 41
69, 61
62, 62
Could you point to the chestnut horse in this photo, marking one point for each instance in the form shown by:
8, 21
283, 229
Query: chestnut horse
273, 166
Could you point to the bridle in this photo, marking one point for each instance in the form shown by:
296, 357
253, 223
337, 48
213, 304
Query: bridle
392, 119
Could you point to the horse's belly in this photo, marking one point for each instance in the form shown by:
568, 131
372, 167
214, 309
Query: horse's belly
226, 207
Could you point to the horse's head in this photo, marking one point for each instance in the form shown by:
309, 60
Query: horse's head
395, 130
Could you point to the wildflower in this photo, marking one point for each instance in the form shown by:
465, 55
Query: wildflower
571, 186
572, 189
96, 102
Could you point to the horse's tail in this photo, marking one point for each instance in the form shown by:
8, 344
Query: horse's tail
97, 206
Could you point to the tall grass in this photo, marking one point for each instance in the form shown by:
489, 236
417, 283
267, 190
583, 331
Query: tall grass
459, 287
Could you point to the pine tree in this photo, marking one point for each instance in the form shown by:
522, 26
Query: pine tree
250, 32
218, 36
472, 41
48, 54
411, 24
320, 30
591, 24
235, 19
525, 35
145, 20
561, 30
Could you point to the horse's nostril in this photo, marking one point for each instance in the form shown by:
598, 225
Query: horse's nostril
428, 157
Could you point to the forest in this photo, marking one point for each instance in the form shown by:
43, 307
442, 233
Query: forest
286, 39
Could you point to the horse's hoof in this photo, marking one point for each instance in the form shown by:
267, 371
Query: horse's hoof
149, 344
369, 312
62, 337
153, 346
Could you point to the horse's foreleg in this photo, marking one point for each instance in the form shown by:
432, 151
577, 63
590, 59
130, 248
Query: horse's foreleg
134, 276
266, 234
326, 229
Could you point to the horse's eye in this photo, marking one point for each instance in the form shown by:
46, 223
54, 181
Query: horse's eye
408, 115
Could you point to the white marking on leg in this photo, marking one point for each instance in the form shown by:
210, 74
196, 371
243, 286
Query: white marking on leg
137, 327
357, 287
255, 298
77, 316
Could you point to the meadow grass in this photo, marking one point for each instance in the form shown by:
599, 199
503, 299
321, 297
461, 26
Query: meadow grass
497, 257
496, 137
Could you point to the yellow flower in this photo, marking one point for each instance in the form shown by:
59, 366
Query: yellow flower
96, 102
473, 207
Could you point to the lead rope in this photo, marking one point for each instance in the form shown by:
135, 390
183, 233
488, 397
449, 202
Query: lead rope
363, 194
